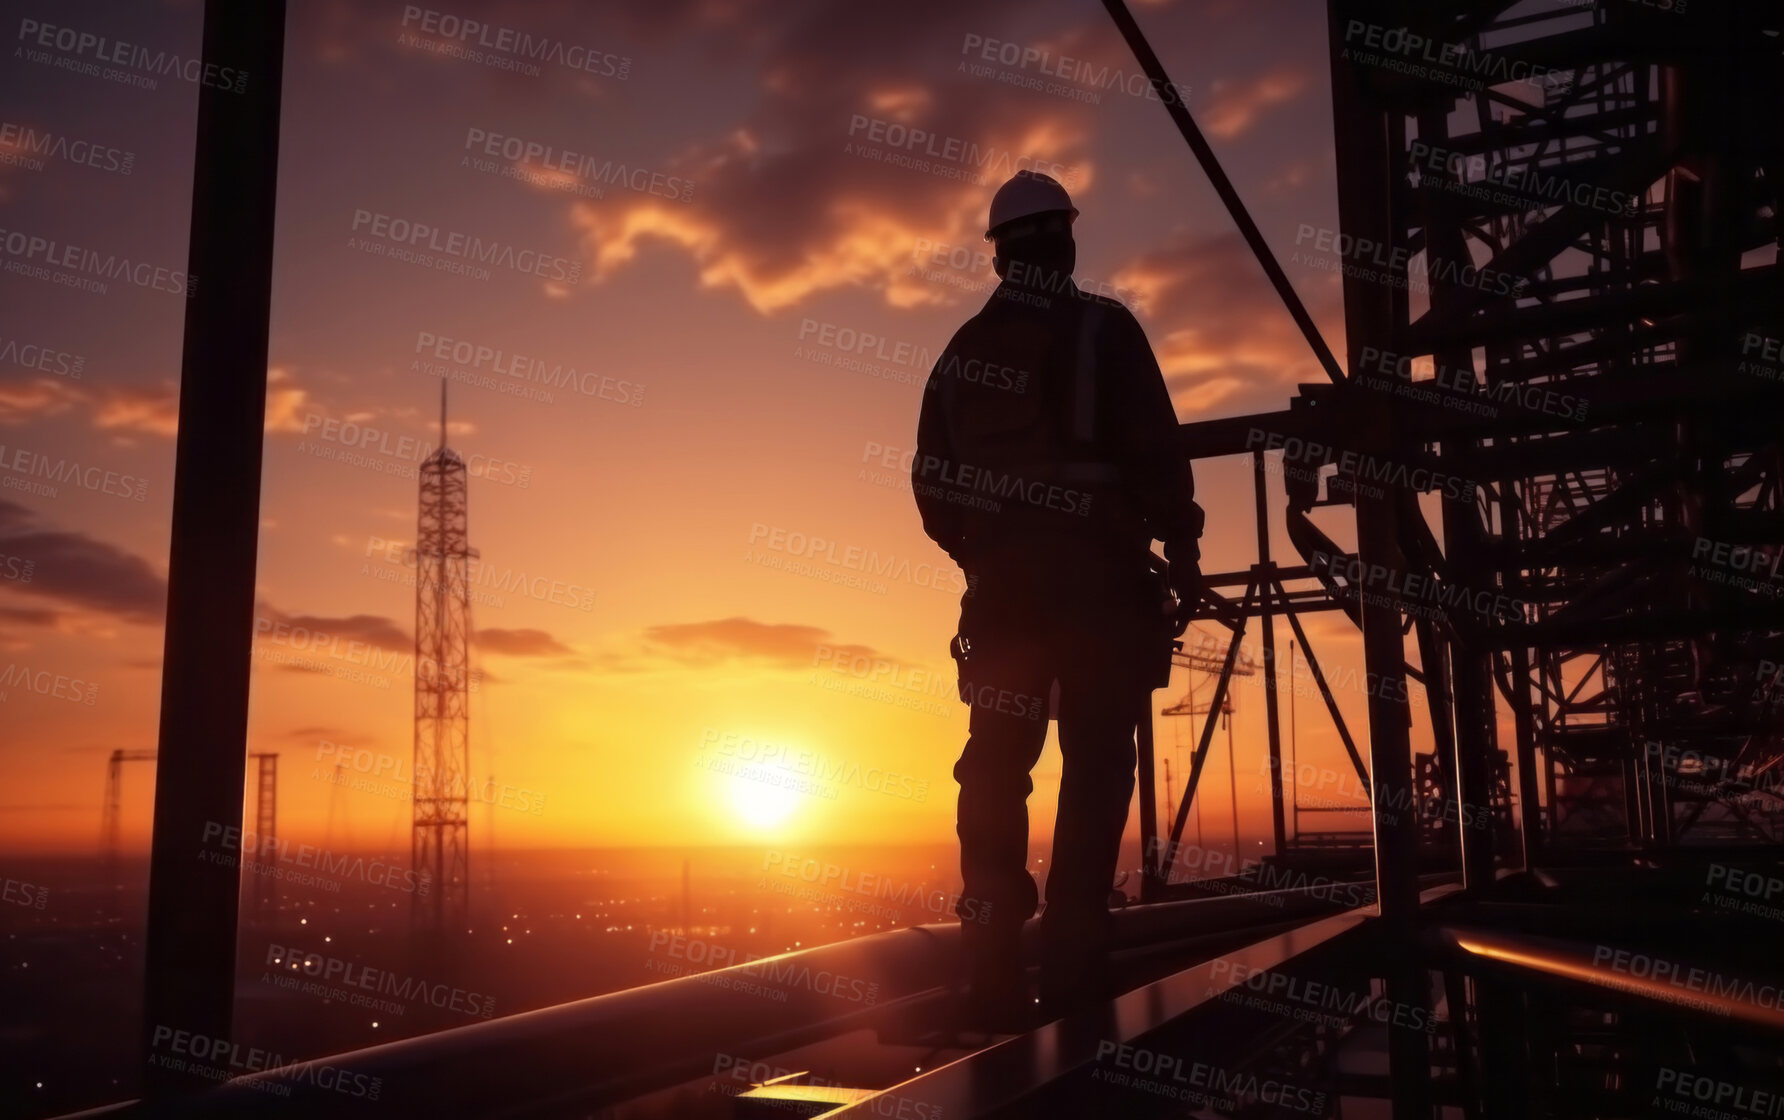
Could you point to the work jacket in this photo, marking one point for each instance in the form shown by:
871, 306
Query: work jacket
1047, 437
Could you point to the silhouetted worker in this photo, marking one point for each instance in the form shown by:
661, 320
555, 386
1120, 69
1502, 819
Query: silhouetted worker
1046, 465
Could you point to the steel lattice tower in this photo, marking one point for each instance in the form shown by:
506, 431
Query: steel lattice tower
440, 848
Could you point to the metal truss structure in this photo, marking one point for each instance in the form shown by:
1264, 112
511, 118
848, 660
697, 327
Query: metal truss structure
440, 843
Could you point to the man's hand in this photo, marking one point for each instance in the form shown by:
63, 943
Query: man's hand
1187, 585
1184, 573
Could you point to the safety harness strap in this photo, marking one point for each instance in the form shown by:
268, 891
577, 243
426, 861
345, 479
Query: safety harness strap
1084, 395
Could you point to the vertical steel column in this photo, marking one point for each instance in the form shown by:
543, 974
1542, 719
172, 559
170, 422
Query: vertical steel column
1530, 821
1152, 855
1266, 586
1365, 144
189, 963
1475, 740
1506, 1069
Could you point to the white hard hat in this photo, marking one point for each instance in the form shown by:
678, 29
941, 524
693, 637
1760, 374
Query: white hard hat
1026, 194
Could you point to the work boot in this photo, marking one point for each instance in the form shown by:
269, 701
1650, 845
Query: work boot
1073, 995
1073, 980
996, 997
998, 1004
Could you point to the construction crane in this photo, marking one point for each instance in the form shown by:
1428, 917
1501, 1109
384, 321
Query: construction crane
1206, 655
1189, 707
110, 841
266, 814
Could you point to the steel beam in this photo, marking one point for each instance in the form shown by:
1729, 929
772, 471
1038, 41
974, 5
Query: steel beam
189, 966
1267, 590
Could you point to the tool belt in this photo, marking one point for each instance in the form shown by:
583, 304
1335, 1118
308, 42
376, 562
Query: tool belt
1161, 634
1146, 635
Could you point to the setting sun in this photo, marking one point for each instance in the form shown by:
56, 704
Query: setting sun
760, 803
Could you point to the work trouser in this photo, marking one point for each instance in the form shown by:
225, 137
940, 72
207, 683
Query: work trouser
1085, 633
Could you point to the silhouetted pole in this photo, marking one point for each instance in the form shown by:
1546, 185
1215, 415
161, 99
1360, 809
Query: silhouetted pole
1232, 781
1266, 580
1466, 544
1170, 801
1294, 756
189, 964
1363, 140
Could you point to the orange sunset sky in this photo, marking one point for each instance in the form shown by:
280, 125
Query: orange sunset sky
706, 286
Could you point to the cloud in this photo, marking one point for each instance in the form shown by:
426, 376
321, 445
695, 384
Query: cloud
387, 633
36, 399
318, 733
372, 629
284, 401
815, 189
127, 410
521, 643
123, 409
779, 644
30, 616
18, 618
150, 411
80, 571
793, 193
1219, 329
1200, 397
613, 662
1291, 178
1239, 104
